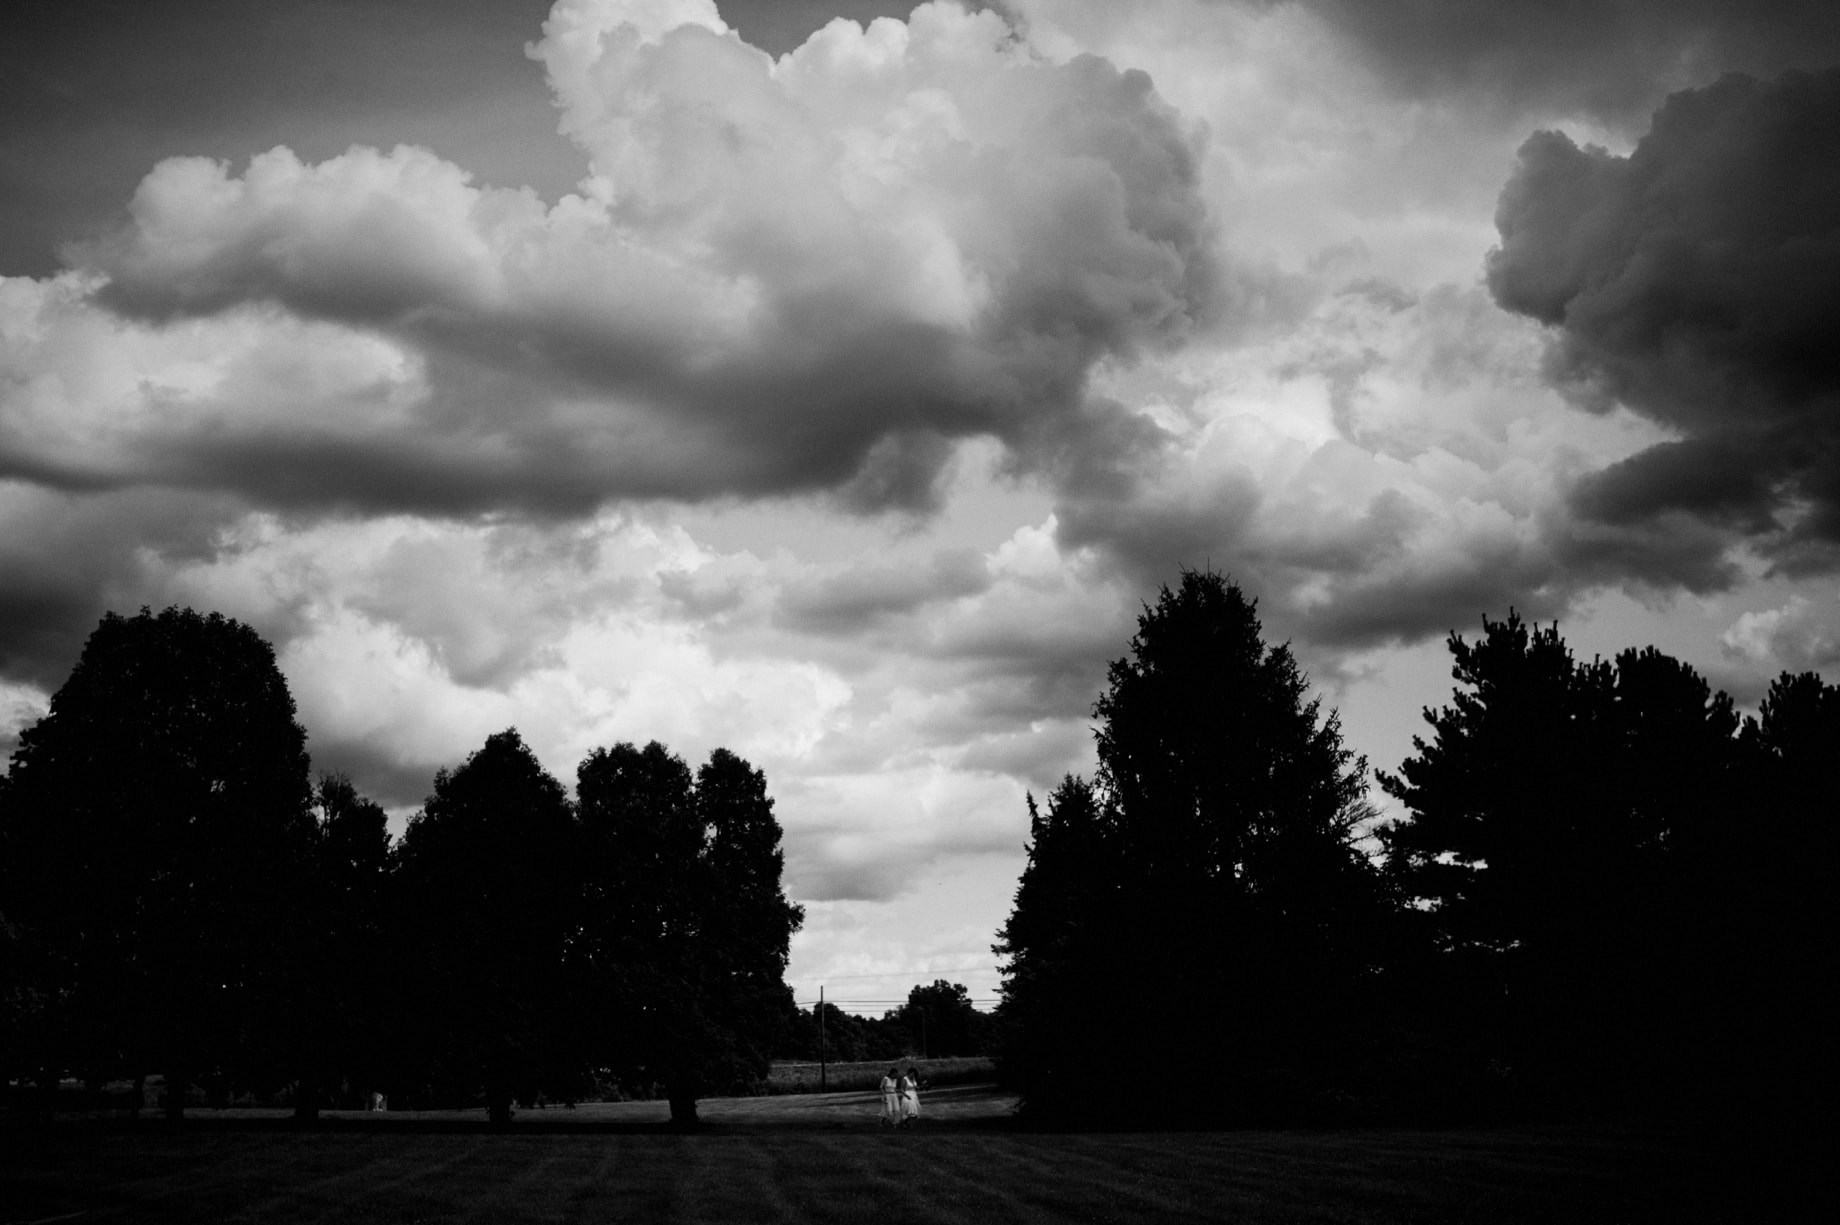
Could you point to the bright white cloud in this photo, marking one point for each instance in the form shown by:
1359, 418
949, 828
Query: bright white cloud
809, 274
1801, 635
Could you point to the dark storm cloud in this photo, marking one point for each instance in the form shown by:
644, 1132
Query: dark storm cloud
1697, 281
1610, 58
1150, 540
1666, 552
66, 560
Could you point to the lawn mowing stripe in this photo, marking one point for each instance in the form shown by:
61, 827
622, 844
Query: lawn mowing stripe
763, 1172
773, 1171
539, 1184
884, 1170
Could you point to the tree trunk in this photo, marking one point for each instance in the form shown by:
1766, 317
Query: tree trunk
48, 1080
306, 1100
498, 1105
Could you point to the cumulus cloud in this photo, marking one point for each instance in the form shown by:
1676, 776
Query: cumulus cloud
1389, 469
1083, 293
1799, 636
809, 274
66, 559
1697, 281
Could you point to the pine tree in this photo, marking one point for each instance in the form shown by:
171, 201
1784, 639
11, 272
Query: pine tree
1215, 867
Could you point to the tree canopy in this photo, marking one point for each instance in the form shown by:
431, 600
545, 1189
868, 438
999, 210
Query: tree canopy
157, 837
344, 961
686, 929
176, 897
1613, 868
1215, 860
486, 904
1609, 889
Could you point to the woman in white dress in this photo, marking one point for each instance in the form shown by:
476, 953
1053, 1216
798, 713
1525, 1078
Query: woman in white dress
910, 1096
891, 1100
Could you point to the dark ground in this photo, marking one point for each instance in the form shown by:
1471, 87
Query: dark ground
822, 1158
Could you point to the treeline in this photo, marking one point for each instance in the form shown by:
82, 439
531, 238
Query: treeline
177, 896
937, 1022
1609, 892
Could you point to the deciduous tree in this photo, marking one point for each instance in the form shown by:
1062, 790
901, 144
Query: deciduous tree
687, 929
486, 907
940, 1021
157, 838
342, 955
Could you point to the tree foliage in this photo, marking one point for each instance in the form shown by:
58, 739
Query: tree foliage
343, 957
175, 897
1056, 940
1781, 956
939, 1021
1216, 860
1609, 864
157, 841
1608, 890
486, 904
686, 929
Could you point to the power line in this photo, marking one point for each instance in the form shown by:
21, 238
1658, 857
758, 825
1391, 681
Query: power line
889, 1003
833, 978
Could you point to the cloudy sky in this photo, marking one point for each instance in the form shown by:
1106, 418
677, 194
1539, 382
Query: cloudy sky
833, 382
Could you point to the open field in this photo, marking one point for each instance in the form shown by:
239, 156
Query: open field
821, 1158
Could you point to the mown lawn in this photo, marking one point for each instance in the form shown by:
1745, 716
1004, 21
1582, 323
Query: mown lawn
757, 1164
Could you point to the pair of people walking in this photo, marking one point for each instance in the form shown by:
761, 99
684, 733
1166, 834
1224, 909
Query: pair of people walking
900, 1098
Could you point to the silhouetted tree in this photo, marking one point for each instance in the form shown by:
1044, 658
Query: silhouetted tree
748, 923
1553, 820
1778, 948
940, 1021
342, 957
642, 842
486, 907
156, 832
845, 1036
1055, 939
1228, 877
686, 929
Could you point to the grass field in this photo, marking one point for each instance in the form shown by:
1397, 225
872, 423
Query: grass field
822, 1158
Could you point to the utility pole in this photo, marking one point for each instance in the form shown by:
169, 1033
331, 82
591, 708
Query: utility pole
823, 1060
